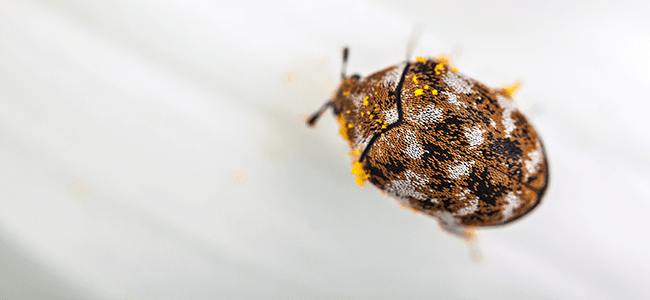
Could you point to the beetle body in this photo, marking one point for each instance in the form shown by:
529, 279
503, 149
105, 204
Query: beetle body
442, 144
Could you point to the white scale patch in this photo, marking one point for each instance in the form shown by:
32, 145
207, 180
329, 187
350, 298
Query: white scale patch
462, 169
386, 142
473, 204
393, 76
508, 107
459, 83
532, 165
474, 136
391, 115
406, 93
357, 100
512, 202
426, 115
401, 189
414, 149
453, 99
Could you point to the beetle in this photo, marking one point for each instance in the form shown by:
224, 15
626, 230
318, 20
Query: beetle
441, 143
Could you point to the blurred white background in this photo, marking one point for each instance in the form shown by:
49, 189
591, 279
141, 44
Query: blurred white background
157, 150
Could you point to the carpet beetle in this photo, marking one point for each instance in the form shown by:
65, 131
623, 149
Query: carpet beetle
441, 143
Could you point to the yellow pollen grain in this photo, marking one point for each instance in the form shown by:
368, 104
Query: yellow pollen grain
434, 92
348, 111
415, 79
375, 93
359, 125
421, 59
357, 169
443, 59
382, 133
291, 76
346, 93
379, 121
372, 116
356, 152
454, 70
350, 125
426, 87
383, 127
343, 131
439, 67
510, 90
419, 92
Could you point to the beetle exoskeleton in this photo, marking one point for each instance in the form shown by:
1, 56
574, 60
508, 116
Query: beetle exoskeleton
441, 143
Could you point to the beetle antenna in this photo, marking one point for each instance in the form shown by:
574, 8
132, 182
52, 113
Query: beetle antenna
314, 117
413, 40
345, 62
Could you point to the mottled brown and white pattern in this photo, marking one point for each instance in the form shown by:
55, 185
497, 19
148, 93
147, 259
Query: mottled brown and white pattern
442, 144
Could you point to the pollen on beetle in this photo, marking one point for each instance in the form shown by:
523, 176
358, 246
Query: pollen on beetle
357, 169
443, 59
444, 138
439, 67
343, 131
509, 90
